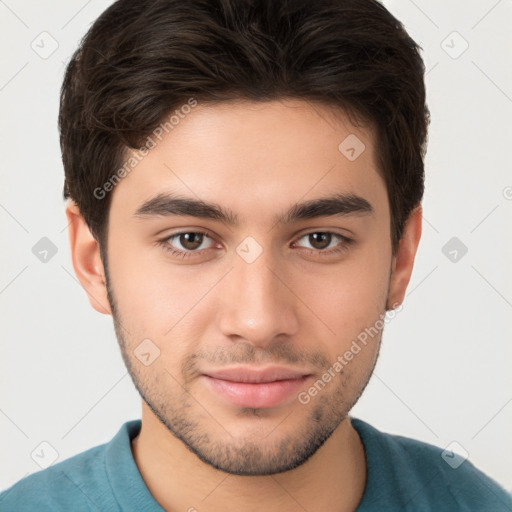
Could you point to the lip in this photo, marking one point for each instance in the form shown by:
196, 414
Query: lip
248, 374
256, 388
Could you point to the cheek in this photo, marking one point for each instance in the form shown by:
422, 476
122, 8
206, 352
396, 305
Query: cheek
156, 299
350, 299
142, 295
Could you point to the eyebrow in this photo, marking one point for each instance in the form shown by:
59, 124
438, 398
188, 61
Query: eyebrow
166, 204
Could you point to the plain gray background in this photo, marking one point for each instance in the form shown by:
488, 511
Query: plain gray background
444, 371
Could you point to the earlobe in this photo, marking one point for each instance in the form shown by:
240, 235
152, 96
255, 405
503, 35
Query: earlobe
86, 258
403, 260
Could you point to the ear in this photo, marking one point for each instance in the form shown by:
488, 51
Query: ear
85, 254
403, 261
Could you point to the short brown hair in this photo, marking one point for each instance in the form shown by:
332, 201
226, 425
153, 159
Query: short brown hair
142, 59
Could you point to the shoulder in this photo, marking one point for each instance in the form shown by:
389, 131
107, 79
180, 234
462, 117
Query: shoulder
428, 477
79, 483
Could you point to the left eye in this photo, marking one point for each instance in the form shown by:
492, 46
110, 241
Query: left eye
190, 241
322, 240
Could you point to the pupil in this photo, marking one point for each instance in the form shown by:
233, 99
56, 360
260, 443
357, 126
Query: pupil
320, 240
191, 240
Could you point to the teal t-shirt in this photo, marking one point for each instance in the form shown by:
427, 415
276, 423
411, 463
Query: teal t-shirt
403, 475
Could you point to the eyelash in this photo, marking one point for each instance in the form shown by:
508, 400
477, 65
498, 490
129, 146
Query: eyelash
164, 243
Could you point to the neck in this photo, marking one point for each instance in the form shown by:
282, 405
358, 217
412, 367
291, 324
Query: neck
333, 479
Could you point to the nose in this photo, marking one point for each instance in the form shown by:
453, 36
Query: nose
257, 306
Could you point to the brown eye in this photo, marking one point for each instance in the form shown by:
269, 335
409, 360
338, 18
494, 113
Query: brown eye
196, 245
191, 241
320, 240
187, 242
323, 243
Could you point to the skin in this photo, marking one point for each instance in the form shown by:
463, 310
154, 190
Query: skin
292, 306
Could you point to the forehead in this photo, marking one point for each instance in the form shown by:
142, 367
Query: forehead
255, 156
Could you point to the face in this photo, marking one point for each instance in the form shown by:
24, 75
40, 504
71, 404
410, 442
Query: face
246, 255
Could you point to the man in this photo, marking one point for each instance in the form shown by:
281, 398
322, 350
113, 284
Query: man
245, 182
